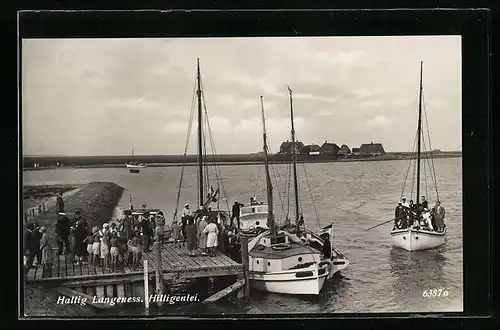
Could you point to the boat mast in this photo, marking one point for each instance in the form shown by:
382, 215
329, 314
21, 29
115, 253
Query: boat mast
270, 214
200, 141
294, 161
419, 129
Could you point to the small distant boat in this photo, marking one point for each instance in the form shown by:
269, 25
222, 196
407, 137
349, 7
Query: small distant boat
415, 230
135, 164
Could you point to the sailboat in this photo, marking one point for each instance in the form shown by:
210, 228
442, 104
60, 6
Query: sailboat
134, 164
207, 194
253, 220
416, 231
280, 261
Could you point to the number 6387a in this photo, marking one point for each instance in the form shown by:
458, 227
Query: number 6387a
431, 293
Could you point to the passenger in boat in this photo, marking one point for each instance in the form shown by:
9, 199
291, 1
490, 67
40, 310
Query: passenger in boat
235, 214
426, 221
46, 248
424, 203
399, 214
191, 235
439, 214
327, 246
212, 233
405, 204
202, 237
62, 230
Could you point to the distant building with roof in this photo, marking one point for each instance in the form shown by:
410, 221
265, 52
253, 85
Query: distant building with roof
311, 149
287, 148
373, 149
329, 148
344, 150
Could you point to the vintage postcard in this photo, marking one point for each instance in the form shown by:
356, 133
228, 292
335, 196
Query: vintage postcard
220, 176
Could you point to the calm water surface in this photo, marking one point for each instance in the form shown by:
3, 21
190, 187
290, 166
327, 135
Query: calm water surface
356, 196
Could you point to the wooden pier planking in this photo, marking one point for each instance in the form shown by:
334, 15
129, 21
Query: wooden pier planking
176, 263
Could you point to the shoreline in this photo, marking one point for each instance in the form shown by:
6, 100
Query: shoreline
244, 162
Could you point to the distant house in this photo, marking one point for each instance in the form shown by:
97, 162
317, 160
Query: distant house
312, 149
329, 148
344, 150
373, 149
286, 148
356, 151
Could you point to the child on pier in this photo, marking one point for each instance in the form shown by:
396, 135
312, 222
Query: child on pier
89, 241
96, 247
176, 234
136, 250
113, 243
105, 250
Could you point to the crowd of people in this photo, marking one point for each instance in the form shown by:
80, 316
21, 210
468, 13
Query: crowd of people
419, 215
122, 242
203, 231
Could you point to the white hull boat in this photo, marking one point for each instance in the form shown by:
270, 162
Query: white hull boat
417, 239
288, 267
304, 281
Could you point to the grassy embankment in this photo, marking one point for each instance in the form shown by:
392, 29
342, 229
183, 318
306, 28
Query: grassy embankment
178, 160
97, 201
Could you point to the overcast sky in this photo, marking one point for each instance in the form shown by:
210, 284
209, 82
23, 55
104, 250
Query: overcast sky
107, 96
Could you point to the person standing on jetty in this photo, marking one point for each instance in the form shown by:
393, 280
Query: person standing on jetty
59, 203
96, 246
80, 244
63, 230
46, 249
186, 213
202, 237
28, 244
127, 225
212, 232
191, 235
160, 227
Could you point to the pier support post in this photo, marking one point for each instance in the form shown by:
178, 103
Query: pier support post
146, 285
244, 259
159, 271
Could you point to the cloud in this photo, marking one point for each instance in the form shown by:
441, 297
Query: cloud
372, 103
136, 103
378, 121
341, 58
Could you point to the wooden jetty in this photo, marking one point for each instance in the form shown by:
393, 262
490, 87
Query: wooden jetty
124, 281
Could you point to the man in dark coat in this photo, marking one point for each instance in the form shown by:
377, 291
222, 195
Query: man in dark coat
235, 214
62, 231
399, 214
439, 214
425, 204
60, 203
127, 225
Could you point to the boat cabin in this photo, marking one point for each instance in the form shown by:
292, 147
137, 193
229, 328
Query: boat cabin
253, 216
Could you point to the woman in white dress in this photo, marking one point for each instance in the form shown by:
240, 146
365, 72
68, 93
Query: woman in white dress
212, 237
